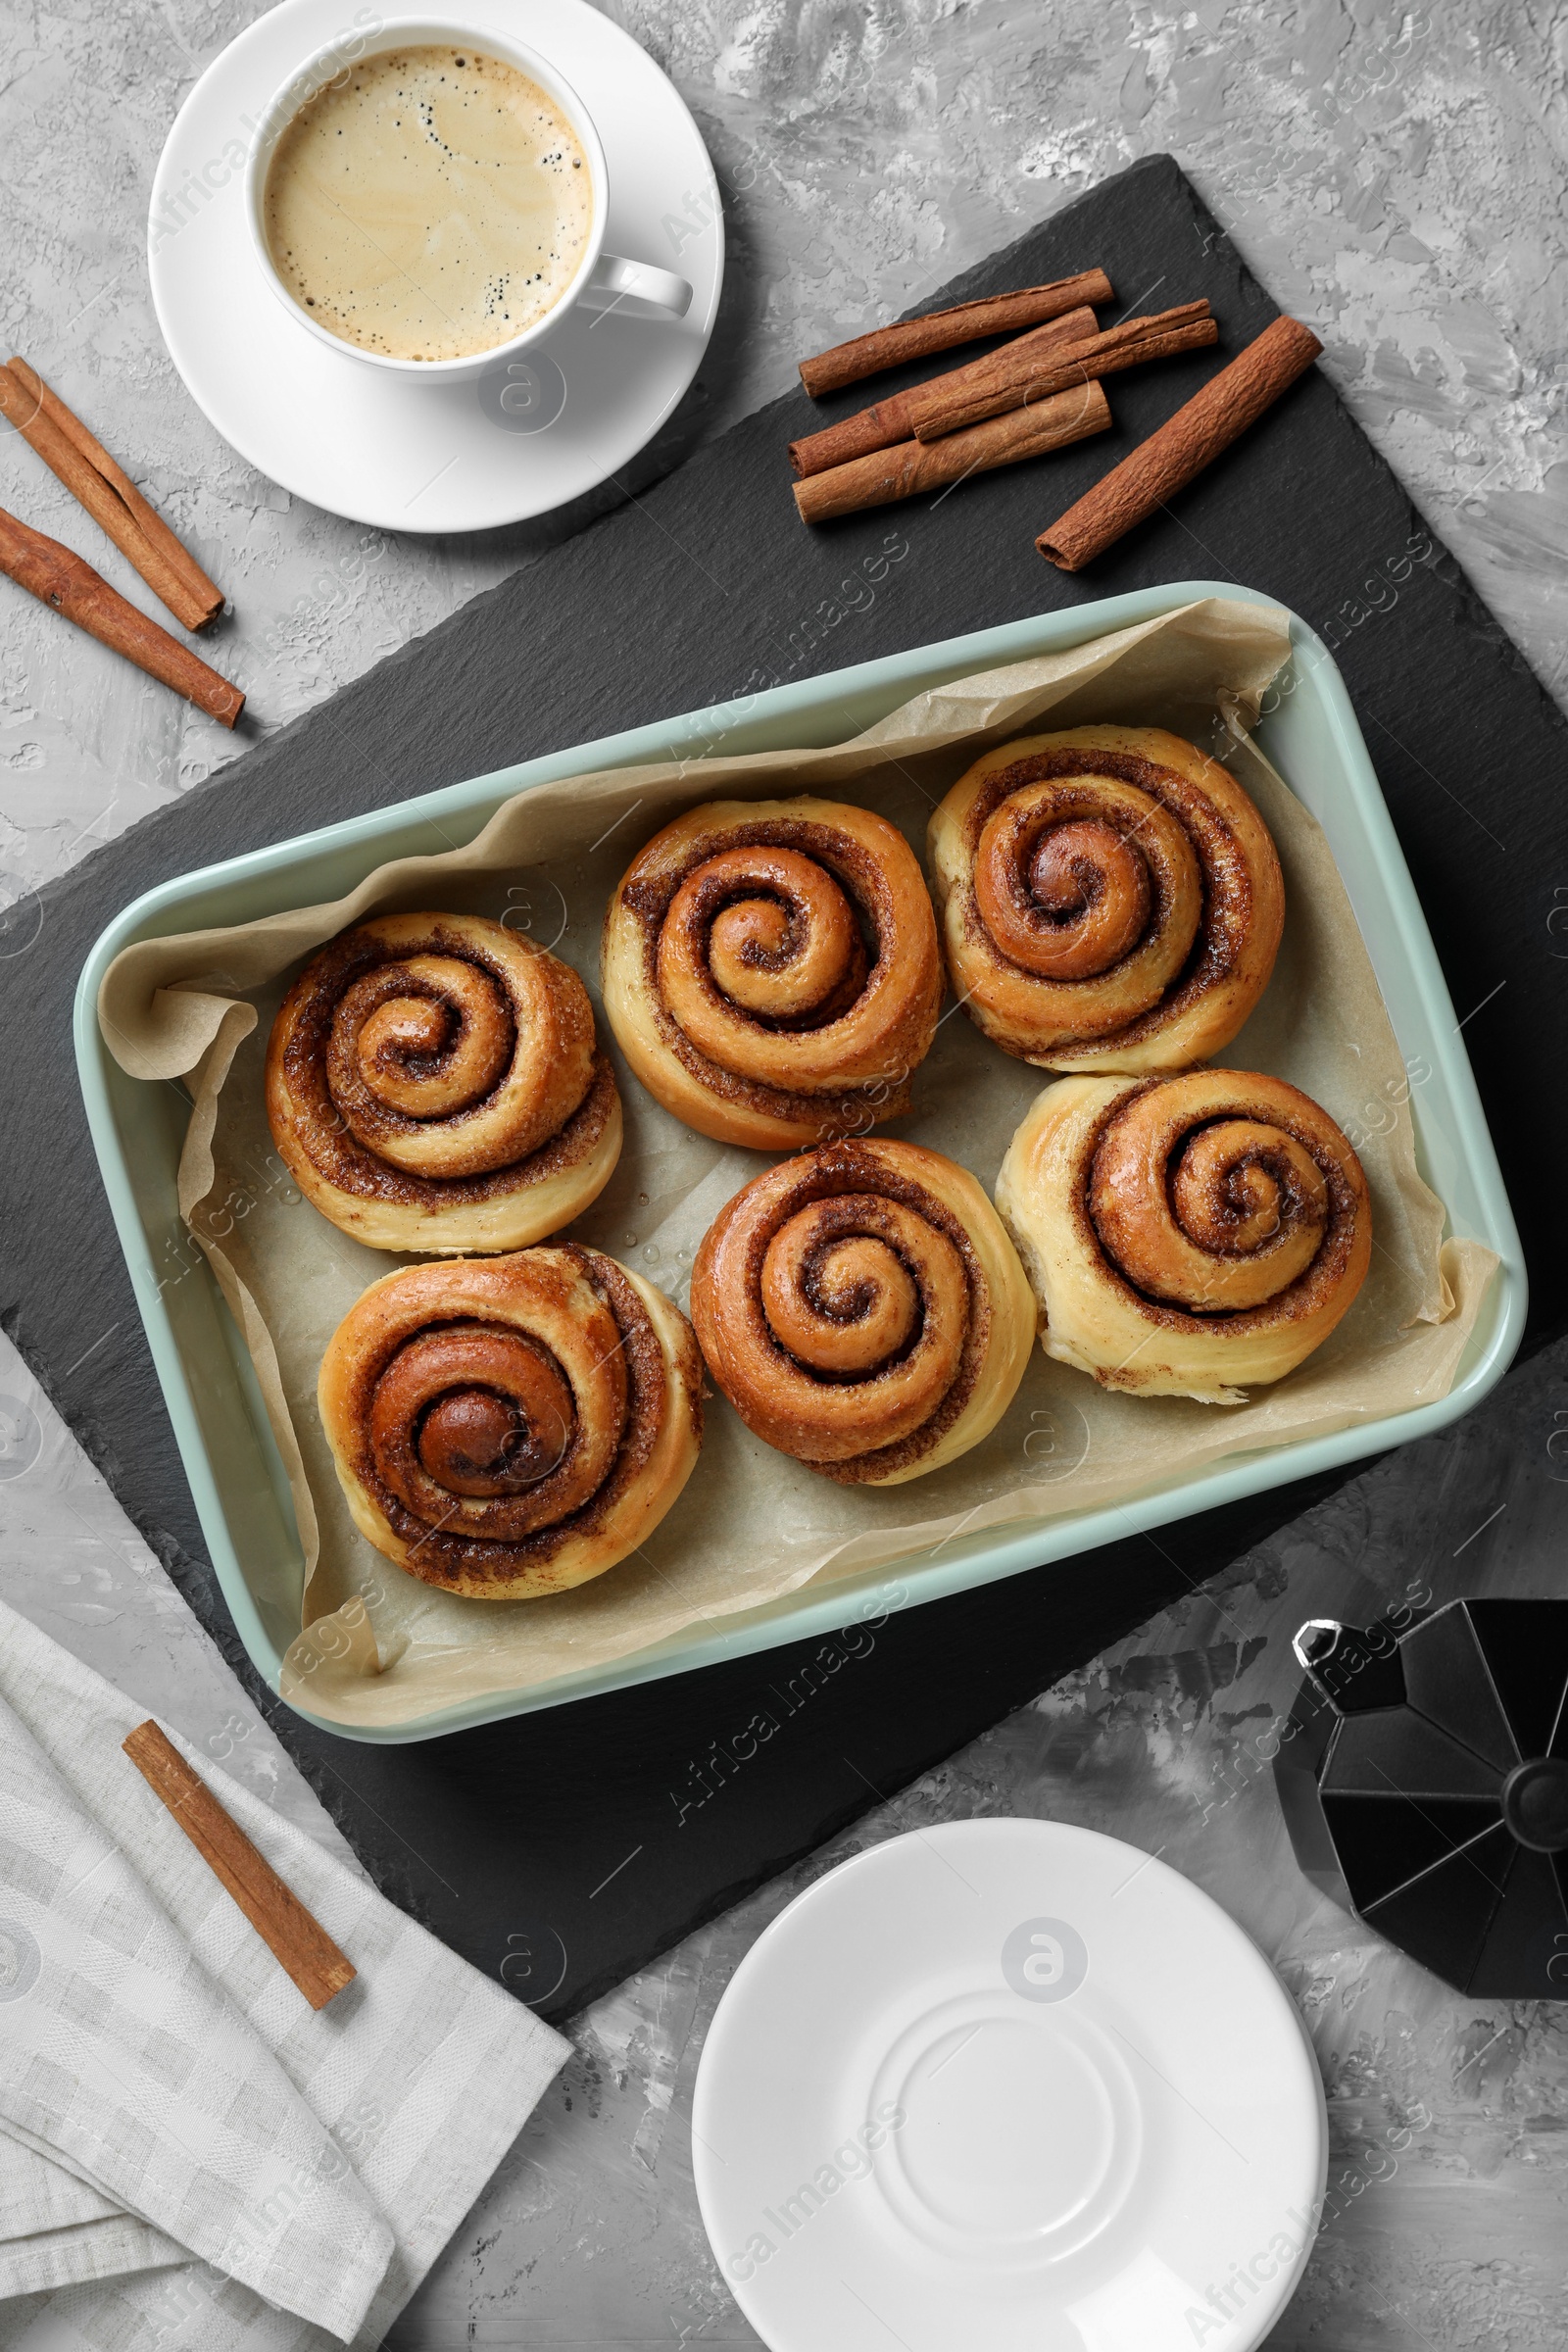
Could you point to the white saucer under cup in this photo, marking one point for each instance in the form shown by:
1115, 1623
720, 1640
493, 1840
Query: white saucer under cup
1008, 2086
404, 455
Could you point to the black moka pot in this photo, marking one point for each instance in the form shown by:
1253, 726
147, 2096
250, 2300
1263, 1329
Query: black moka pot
1425, 1786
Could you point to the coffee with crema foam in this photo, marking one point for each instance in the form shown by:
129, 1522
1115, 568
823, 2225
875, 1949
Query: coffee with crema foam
429, 204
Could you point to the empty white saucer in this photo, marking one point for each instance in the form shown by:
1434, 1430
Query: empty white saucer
1002, 2084
402, 455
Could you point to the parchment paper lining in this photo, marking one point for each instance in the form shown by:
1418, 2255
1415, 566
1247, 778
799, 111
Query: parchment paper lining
381, 1649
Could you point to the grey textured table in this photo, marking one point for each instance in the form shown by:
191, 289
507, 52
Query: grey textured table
1394, 176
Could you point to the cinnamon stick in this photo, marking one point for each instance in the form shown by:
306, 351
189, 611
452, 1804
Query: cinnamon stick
57, 576
889, 422
207, 597
888, 474
291, 1933
1182, 447
1005, 379
940, 331
78, 460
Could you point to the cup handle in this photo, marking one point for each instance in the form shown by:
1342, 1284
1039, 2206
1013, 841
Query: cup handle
615, 282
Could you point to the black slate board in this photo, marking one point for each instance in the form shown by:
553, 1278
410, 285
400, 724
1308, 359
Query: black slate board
566, 1849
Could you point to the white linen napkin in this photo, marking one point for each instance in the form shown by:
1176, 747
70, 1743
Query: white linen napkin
188, 2152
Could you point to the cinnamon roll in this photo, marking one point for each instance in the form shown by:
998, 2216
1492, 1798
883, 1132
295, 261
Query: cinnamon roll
772, 971
1186, 1237
863, 1310
433, 1083
1110, 899
507, 1426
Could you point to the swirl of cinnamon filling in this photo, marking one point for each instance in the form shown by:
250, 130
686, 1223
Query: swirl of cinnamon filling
1186, 1237
507, 1426
772, 971
862, 1310
1110, 899
432, 1083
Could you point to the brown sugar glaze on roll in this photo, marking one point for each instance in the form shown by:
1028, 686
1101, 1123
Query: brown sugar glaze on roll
508, 1427
1190, 1236
772, 971
434, 1084
862, 1310
1111, 899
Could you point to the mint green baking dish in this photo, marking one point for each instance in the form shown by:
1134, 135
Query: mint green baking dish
236, 1477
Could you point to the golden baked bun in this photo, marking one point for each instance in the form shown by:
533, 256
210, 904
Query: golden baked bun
506, 1427
433, 1083
1186, 1237
863, 1310
1110, 899
772, 971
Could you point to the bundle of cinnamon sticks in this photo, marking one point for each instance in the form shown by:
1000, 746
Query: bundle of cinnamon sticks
64, 581
1038, 391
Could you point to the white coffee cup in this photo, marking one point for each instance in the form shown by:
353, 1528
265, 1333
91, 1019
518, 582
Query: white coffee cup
601, 281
